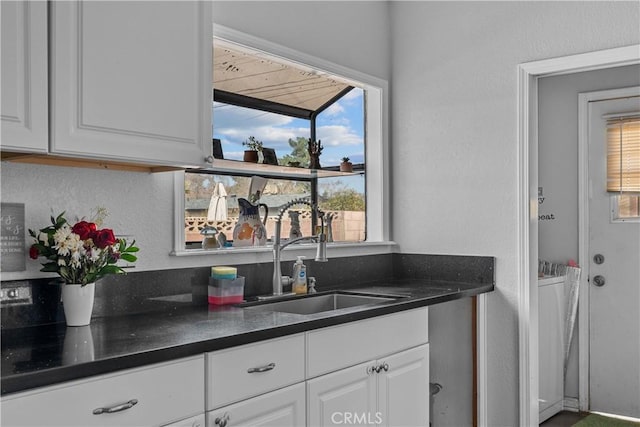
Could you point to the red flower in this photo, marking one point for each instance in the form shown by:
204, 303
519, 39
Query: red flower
33, 252
103, 238
84, 229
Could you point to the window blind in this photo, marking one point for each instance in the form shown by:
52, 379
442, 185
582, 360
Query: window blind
623, 155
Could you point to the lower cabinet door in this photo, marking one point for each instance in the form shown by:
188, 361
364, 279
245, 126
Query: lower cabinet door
345, 397
279, 408
403, 388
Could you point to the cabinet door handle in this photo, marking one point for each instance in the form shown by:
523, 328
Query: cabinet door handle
381, 367
223, 420
371, 370
116, 408
264, 368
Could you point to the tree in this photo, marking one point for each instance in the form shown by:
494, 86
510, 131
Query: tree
343, 200
299, 152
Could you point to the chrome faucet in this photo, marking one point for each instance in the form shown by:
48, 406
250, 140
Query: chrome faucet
320, 238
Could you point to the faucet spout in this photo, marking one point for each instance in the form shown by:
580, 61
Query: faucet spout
278, 246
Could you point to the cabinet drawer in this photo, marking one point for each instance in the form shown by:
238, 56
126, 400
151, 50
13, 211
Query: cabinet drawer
241, 372
338, 347
165, 392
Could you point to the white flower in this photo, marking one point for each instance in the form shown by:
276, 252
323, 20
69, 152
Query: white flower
74, 242
61, 262
62, 247
75, 259
62, 233
44, 238
94, 254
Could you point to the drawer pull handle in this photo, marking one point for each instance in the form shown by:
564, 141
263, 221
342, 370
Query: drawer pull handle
117, 408
264, 368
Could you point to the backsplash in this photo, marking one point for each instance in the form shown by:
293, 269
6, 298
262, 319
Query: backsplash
163, 290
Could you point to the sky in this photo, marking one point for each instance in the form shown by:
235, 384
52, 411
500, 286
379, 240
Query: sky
340, 128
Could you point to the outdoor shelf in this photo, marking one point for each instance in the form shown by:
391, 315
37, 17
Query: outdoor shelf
238, 167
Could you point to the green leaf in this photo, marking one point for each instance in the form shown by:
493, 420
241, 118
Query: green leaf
49, 267
128, 257
111, 269
132, 249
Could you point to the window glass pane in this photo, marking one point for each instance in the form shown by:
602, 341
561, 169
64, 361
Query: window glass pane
341, 130
234, 125
212, 201
344, 198
628, 206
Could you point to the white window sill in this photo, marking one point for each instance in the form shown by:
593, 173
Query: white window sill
264, 254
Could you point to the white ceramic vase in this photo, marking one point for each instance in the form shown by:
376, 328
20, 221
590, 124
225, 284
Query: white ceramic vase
77, 301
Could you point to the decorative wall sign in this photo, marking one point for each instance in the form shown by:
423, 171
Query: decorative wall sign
544, 217
12, 247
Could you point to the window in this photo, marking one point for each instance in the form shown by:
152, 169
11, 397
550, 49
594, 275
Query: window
623, 167
356, 201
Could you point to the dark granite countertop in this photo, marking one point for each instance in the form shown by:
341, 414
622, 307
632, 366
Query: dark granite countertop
48, 354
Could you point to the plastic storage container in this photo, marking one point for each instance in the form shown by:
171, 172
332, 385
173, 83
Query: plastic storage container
226, 291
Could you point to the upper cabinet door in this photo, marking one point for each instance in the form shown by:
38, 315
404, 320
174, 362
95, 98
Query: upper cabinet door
131, 81
24, 76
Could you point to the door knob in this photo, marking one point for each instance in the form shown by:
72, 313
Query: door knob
599, 280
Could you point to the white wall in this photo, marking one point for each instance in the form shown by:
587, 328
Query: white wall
454, 141
558, 169
354, 34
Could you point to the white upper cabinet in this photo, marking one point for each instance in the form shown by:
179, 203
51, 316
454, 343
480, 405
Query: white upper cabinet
24, 76
131, 81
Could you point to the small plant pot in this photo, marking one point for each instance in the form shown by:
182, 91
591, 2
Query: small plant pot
346, 167
250, 156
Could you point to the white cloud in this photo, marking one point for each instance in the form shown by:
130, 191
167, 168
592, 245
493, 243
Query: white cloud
334, 109
337, 135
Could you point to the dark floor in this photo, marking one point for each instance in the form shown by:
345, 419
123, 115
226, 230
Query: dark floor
564, 419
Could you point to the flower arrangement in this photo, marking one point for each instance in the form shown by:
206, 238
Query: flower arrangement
80, 253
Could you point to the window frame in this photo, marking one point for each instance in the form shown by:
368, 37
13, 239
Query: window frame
376, 101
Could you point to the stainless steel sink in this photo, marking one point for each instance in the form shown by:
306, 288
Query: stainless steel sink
312, 304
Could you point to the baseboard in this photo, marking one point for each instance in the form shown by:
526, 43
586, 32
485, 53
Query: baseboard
550, 411
571, 404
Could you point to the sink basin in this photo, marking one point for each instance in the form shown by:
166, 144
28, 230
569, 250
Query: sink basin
319, 303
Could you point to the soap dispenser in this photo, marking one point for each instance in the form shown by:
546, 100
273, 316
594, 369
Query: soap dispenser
299, 276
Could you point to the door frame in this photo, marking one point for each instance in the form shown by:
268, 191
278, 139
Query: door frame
527, 211
583, 231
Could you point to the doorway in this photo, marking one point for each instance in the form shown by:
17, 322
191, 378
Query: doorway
610, 243
528, 75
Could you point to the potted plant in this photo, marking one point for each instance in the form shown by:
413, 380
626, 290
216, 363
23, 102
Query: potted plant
81, 254
346, 165
253, 146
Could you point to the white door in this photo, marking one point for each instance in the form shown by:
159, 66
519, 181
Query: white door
280, 408
345, 397
614, 283
131, 81
24, 121
403, 388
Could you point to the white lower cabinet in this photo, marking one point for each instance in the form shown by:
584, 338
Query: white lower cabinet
390, 391
281, 408
153, 395
372, 372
